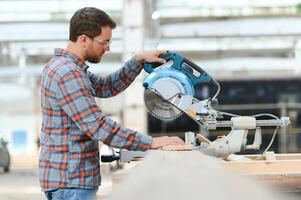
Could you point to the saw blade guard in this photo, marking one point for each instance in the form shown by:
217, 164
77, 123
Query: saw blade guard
168, 82
160, 87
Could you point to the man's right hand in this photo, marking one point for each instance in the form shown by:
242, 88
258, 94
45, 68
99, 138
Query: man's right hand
150, 56
159, 142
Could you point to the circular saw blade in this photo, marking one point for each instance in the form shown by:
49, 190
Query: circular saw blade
160, 108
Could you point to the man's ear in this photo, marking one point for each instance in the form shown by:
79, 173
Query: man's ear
83, 39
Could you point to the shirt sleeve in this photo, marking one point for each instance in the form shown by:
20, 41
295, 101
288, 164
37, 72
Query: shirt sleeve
108, 86
75, 98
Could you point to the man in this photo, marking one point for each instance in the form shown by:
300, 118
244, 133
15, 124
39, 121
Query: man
72, 123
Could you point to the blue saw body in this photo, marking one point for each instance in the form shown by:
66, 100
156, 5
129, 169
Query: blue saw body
183, 70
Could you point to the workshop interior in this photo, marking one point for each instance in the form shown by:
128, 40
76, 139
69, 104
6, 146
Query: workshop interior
230, 87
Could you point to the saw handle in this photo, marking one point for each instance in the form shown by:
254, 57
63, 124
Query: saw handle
190, 69
109, 158
193, 71
149, 67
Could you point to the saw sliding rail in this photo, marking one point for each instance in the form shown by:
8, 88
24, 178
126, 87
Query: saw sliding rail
283, 122
206, 116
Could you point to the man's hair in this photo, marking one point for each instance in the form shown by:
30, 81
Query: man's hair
89, 21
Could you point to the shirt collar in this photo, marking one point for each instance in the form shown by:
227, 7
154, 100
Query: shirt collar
74, 58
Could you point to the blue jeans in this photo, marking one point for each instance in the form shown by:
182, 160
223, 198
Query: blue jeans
72, 194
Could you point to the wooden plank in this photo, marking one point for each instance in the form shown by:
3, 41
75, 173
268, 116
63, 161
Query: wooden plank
292, 156
284, 182
266, 167
186, 147
283, 171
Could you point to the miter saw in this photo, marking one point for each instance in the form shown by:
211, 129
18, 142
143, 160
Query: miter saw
170, 92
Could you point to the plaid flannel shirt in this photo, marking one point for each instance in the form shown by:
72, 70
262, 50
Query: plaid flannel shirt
72, 123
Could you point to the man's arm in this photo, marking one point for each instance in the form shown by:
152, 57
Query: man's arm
113, 84
107, 86
75, 98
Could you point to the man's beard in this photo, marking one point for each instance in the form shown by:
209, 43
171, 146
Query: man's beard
93, 58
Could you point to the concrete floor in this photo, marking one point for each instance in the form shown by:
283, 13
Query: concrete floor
22, 183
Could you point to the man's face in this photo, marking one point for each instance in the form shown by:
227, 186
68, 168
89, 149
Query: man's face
99, 45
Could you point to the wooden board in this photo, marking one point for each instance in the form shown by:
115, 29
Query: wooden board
177, 148
283, 172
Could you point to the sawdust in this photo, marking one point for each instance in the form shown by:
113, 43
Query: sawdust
188, 175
